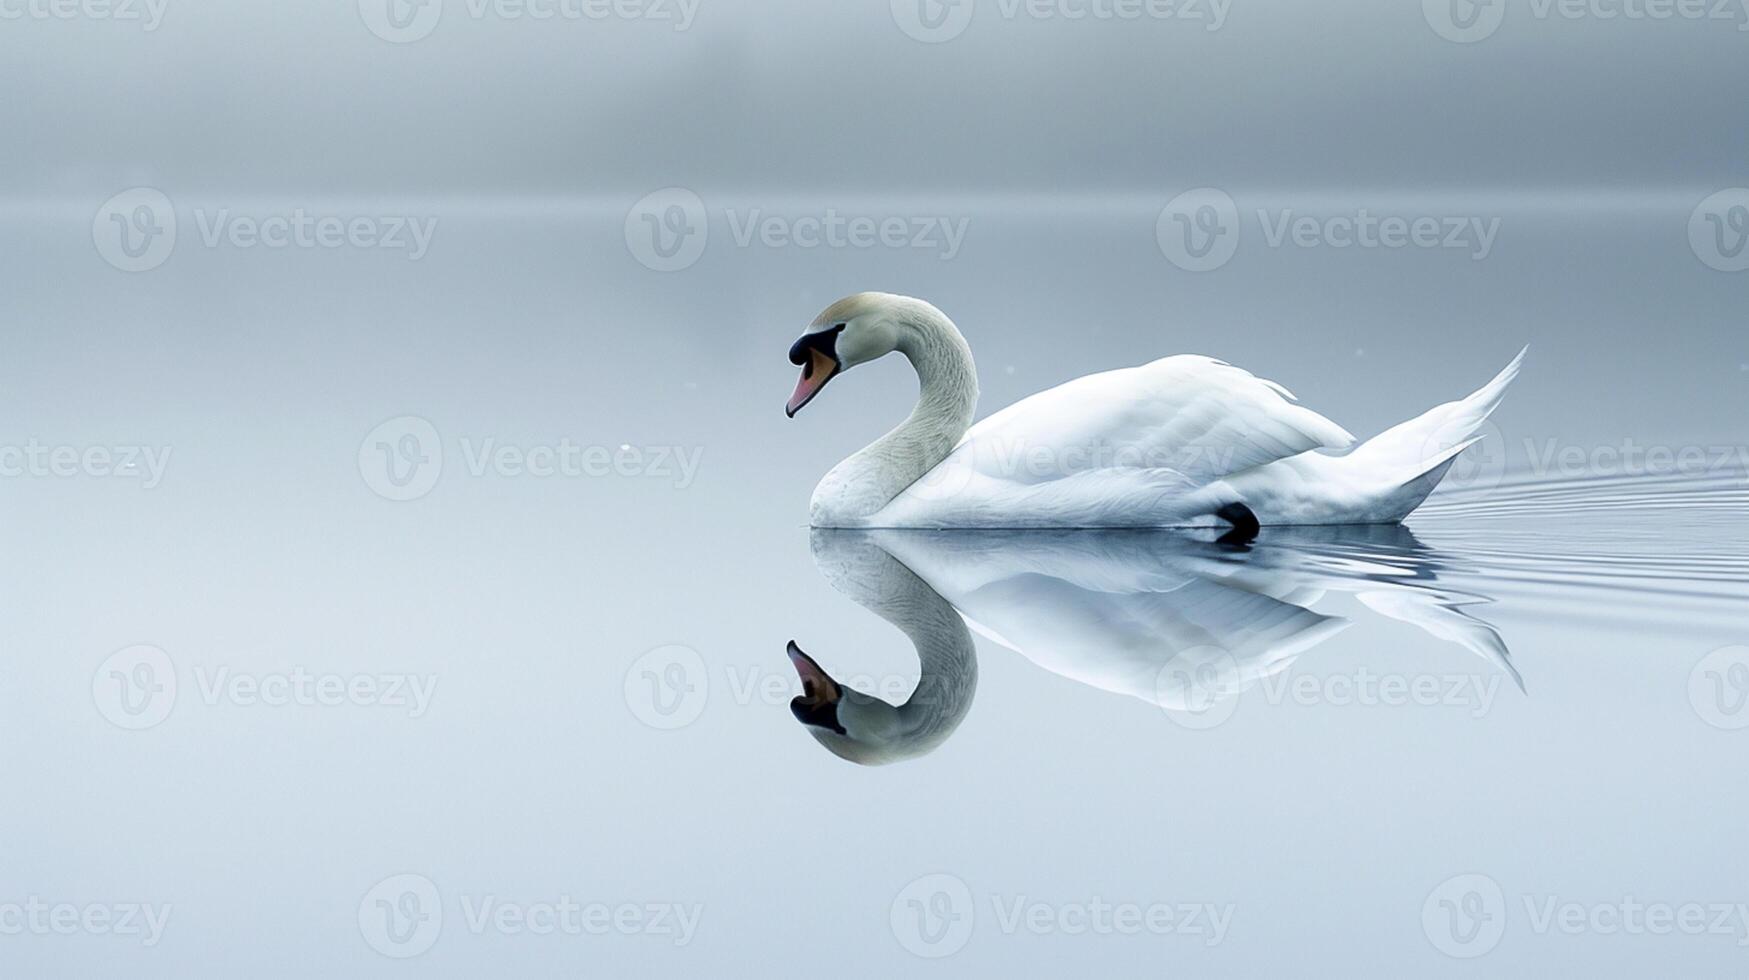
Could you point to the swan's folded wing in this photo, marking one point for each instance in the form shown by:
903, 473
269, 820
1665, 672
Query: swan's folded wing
1194, 415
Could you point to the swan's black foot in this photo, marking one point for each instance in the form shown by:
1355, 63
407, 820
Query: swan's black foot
1245, 526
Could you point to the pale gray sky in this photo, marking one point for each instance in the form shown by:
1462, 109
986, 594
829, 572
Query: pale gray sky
305, 99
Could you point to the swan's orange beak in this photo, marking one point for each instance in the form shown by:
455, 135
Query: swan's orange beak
817, 353
816, 371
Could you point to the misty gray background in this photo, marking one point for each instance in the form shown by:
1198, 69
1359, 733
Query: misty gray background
530, 320
798, 95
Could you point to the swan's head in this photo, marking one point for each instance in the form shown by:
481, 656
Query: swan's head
850, 724
855, 330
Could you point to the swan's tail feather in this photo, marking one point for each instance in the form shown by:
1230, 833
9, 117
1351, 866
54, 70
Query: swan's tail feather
1410, 459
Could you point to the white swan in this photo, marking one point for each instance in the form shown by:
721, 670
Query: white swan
1183, 441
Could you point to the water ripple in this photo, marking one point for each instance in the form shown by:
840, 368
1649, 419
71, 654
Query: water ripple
1658, 552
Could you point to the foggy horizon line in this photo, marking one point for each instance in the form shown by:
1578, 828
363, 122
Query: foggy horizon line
516, 203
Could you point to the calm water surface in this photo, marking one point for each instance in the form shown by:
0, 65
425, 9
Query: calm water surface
544, 727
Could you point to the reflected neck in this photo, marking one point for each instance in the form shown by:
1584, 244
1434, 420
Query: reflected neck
859, 567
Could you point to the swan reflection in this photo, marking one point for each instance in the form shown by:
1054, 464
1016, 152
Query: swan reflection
1175, 618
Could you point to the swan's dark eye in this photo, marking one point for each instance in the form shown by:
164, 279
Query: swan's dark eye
838, 326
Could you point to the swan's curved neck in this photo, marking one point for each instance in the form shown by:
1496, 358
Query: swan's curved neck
858, 566
862, 484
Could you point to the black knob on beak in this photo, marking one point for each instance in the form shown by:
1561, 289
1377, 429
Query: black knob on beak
825, 341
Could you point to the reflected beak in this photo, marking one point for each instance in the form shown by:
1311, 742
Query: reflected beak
818, 703
818, 357
817, 685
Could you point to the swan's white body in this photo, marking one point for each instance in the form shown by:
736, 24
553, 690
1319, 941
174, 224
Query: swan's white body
1166, 444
